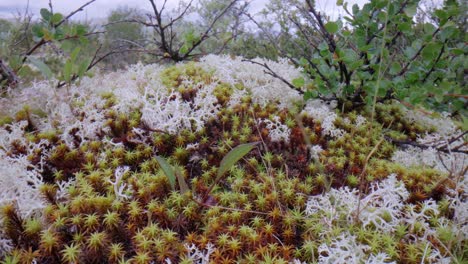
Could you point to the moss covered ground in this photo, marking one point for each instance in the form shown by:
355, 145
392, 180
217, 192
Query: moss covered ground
80, 181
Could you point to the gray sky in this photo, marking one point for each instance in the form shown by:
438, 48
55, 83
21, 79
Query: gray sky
101, 8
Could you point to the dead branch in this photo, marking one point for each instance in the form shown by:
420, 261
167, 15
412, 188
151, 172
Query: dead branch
444, 147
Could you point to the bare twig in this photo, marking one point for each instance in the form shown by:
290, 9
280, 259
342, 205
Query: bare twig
442, 148
269, 71
79, 9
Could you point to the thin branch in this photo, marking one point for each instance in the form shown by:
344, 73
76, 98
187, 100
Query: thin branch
205, 35
43, 41
426, 77
269, 71
406, 67
444, 148
81, 8
181, 15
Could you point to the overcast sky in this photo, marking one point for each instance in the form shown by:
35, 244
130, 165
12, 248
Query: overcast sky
101, 8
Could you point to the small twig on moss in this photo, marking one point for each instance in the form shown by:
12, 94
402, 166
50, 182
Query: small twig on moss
444, 148
227, 208
361, 178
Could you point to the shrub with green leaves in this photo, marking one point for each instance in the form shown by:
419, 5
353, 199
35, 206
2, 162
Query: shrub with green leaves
381, 52
58, 48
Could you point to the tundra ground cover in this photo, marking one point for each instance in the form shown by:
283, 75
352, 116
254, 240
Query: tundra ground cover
80, 182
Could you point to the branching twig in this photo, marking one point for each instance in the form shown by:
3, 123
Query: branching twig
442, 148
269, 71
43, 41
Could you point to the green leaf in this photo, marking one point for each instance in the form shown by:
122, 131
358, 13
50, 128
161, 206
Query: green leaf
80, 30
410, 10
465, 123
37, 31
339, 2
168, 170
83, 40
47, 34
58, 33
441, 14
310, 95
332, 27
74, 54
83, 67
448, 32
182, 183
56, 18
67, 71
43, 68
456, 51
382, 4
430, 51
405, 27
190, 37
46, 14
183, 50
355, 9
232, 157
395, 68
298, 82
229, 160
429, 28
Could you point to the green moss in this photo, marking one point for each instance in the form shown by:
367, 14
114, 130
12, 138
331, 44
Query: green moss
254, 214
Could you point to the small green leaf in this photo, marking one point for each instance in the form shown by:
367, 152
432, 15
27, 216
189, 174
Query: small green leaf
43, 68
168, 170
441, 14
80, 30
182, 184
232, 157
405, 27
37, 31
429, 28
183, 50
45, 14
395, 68
355, 9
47, 34
339, 2
83, 40
456, 51
410, 10
310, 95
298, 82
332, 27
56, 18
465, 123
67, 71
83, 67
430, 51
74, 54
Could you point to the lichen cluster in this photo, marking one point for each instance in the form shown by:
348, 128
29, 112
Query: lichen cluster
320, 186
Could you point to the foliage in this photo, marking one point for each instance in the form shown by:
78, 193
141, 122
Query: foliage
58, 48
68, 38
379, 52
